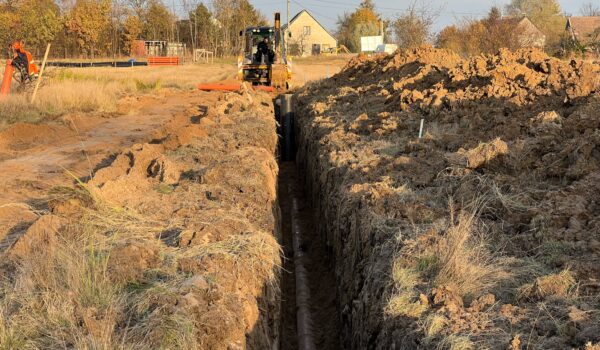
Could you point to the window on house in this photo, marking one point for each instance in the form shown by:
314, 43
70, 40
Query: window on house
306, 31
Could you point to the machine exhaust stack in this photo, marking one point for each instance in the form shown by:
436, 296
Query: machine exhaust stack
277, 21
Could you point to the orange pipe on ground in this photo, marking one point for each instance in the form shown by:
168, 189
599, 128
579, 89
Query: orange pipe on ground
264, 88
232, 87
7, 80
219, 87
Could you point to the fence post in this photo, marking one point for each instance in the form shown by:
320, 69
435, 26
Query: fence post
39, 80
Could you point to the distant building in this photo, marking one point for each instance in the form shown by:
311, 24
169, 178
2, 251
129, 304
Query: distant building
528, 34
309, 37
163, 48
584, 30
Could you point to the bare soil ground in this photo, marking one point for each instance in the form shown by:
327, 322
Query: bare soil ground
483, 234
310, 69
165, 245
34, 157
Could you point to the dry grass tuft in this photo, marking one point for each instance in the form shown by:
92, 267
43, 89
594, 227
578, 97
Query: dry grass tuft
456, 342
454, 255
405, 299
459, 258
465, 260
62, 297
10, 336
59, 97
434, 324
161, 325
558, 285
404, 304
257, 252
67, 295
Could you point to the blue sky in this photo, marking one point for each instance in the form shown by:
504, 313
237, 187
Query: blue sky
451, 11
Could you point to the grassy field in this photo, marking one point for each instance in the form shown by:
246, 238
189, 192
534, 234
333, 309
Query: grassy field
98, 90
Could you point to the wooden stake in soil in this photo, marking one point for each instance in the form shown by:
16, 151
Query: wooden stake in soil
39, 80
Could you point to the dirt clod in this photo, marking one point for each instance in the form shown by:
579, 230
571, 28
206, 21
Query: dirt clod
41, 235
128, 262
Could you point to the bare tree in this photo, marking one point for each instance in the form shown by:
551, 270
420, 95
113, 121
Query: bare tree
590, 9
138, 7
190, 7
233, 16
364, 21
414, 27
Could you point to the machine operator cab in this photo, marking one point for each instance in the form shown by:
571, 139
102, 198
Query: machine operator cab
259, 45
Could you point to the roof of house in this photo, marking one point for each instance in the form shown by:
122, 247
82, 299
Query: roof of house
584, 28
313, 17
517, 21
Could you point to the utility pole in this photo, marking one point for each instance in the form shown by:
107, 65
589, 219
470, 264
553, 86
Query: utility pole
174, 25
287, 29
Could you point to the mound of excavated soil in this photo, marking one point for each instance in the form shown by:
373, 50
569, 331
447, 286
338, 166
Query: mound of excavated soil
183, 230
22, 136
483, 233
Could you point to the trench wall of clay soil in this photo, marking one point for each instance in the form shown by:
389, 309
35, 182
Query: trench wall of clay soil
345, 226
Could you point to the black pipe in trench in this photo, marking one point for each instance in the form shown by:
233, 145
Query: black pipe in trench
304, 321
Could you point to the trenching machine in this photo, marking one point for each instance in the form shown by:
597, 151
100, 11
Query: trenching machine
264, 60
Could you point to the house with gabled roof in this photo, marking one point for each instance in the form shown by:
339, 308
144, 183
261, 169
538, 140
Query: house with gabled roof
308, 36
584, 30
528, 35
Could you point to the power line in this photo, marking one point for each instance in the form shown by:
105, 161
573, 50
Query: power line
313, 11
181, 9
353, 6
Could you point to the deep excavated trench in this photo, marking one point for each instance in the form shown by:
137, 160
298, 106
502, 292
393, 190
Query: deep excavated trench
310, 314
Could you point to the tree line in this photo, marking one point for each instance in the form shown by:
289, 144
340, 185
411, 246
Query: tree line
108, 28
413, 27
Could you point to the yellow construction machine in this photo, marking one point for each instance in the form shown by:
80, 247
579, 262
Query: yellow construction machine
264, 61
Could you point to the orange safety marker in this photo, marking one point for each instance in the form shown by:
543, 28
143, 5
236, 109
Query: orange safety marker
7, 80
